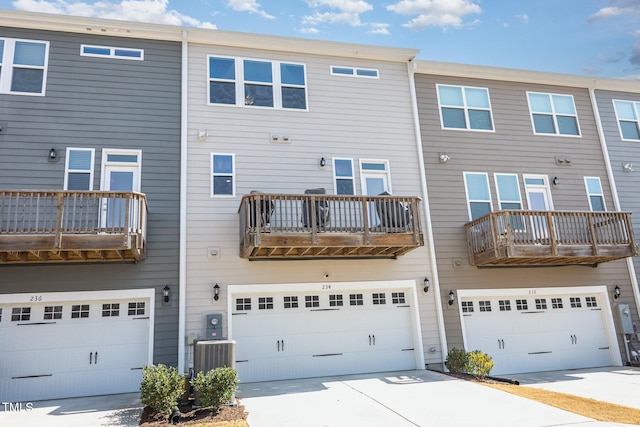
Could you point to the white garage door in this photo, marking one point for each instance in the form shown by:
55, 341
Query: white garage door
332, 330
540, 330
59, 345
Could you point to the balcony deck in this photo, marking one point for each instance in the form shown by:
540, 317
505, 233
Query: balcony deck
546, 238
72, 226
314, 226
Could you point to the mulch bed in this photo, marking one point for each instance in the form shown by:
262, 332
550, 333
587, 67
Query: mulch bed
189, 415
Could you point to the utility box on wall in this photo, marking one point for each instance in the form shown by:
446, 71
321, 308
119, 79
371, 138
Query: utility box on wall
213, 327
624, 314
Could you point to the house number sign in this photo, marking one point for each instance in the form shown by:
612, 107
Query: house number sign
326, 287
36, 298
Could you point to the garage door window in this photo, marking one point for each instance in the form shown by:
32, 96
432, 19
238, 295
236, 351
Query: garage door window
484, 305
591, 301
243, 304
52, 312
397, 297
0, 315
19, 314
504, 304
521, 304
291, 302
265, 303
80, 311
541, 304
136, 309
575, 302
379, 299
355, 299
110, 310
311, 301
336, 301
556, 303
467, 306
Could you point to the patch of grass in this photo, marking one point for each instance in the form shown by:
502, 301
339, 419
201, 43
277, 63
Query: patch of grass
590, 408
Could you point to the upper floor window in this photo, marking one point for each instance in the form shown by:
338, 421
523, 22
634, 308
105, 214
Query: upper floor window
79, 169
343, 176
508, 191
627, 113
465, 108
112, 52
354, 72
23, 66
257, 83
222, 171
478, 195
594, 191
553, 114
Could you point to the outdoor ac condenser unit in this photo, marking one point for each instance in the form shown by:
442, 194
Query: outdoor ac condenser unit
211, 354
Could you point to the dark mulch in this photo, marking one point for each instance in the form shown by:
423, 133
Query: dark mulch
189, 415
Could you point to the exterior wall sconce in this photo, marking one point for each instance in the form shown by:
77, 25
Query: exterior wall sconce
216, 292
323, 162
444, 158
426, 285
616, 292
165, 293
555, 181
627, 167
452, 297
53, 155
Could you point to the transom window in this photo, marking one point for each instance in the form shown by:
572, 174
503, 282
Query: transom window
355, 299
335, 301
291, 302
23, 66
354, 72
397, 298
136, 309
553, 114
556, 303
379, 299
484, 305
52, 312
343, 176
541, 303
478, 196
110, 310
222, 175
265, 303
522, 304
80, 311
20, 314
257, 83
595, 194
243, 304
311, 301
504, 304
79, 169
465, 108
628, 113
467, 306
112, 52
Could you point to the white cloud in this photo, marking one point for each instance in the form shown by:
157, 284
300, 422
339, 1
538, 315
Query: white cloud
154, 11
379, 28
619, 56
250, 6
524, 18
348, 6
310, 30
435, 13
616, 8
332, 18
341, 12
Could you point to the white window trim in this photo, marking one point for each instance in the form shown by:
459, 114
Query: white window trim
355, 72
544, 187
6, 76
336, 177
601, 194
636, 105
112, 52
364, 172
212, 175
105, 163
466, 192
67, 170
554, 115
495, 179
276, 83
466, 109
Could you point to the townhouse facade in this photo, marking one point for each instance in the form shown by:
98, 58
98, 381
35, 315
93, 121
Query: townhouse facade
89, 205
531, 247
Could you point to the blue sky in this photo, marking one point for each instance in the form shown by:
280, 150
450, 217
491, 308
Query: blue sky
584, 37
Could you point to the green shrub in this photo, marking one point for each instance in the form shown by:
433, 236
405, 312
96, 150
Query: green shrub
161, 387
479, 364
456, 361
216, 388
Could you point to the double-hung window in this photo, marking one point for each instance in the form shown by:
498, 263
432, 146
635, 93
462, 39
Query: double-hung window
343, 176
257, 83
465, 108
509, 197
594, 191
478, 195
222, 175
553, 114
79, 169
23, 66
627, 113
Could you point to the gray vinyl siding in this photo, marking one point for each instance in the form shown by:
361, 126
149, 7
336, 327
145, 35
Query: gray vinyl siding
348, 118
102, 103
512, 148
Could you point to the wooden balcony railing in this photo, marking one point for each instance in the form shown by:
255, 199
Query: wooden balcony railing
514, 237
312, 226
72, 226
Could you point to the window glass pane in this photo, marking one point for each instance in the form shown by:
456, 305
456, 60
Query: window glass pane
477, 186
564, 104
222, 164
294, 97
453, 118
510, 205
80, 159
534, 181
450, 95
78, 181
480, 119
128, 53
29, 53
1, 49
593, 186
93, 50
479, 209
477, 97
257, 71
291, 74
367, 73
625, 110
341, 70
122, 158
540, 103
567, 125
597, 203
508, 187
258, 95
630, 130
222, 68
222, 93
222, 185
374, 166
343, 167
27, 80
344, 186
543, 123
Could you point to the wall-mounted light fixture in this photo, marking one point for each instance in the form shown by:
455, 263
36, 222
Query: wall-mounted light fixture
216, 292
166, 293
627, 167
452, 297
616, 292
426, 285
444, 158
53, 155
323, 162
555, 181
